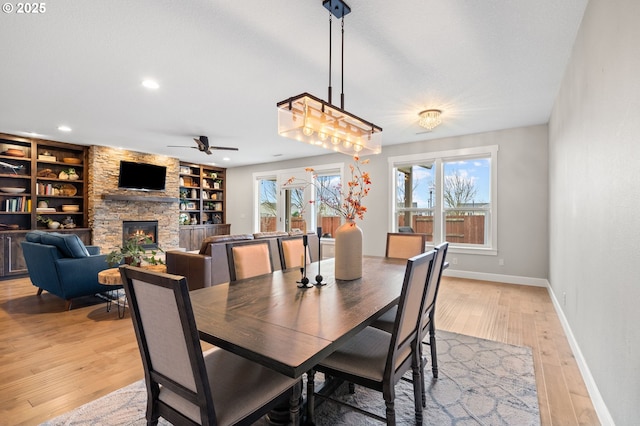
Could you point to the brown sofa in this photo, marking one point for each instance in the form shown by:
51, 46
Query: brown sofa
210, 266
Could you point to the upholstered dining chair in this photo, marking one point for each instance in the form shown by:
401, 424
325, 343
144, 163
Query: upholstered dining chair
386, 321
184, 385
404, 245
292, 251
376, 359
249, 259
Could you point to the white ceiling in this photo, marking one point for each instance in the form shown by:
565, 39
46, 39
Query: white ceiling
223, 65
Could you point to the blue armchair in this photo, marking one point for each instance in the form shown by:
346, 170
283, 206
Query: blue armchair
63, 265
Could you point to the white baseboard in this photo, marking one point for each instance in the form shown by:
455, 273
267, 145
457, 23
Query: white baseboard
499, 278
596, 398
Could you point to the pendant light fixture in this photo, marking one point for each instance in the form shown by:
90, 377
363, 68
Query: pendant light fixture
309, 119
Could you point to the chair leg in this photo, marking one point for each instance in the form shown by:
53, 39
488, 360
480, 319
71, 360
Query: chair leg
391, 412
434, 355
39, 291
418, 391
67, 305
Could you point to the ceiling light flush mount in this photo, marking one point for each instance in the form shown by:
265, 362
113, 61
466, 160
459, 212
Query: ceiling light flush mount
309, 119
430, 118
150, 84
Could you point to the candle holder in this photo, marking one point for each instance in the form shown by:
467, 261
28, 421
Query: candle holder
319, 277
304, 281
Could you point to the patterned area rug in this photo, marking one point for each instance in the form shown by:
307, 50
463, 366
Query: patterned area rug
481, 382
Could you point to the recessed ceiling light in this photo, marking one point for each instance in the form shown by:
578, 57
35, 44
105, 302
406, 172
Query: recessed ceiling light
226, 159
64, 128
150, 84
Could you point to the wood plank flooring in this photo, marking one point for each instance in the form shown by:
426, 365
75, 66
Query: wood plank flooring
52, 361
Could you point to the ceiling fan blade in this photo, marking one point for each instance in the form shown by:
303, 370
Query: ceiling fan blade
179, 146
228, 148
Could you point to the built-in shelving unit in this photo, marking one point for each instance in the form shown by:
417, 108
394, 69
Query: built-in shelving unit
202, 204
202, 194
40, 181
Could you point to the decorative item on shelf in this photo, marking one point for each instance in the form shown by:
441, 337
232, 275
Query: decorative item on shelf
214, 195
183, 193
348, 204
181, 181
12, 190
205, 183
133, 253
67, 190
183, 206
14, 152
47, 173
50, 223
184, 219
70, 208
213, 175
71, 160
72, 174
194, 193
46, 156
43, 204
68, 223
194, 220
217, 183
205, 195
63, 175
217, 219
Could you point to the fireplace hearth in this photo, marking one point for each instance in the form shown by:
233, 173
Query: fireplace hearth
142, 229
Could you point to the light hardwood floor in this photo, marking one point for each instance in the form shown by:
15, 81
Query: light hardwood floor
53, 361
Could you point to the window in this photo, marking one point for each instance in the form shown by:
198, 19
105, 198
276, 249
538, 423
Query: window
450, 196
297, 205
267, 202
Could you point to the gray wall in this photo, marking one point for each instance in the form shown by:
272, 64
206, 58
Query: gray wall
594, 201
522, 200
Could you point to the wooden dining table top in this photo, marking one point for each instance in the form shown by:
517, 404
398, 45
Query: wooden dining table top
269, 320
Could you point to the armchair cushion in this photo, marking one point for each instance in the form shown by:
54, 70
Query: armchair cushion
70, 245
35, 236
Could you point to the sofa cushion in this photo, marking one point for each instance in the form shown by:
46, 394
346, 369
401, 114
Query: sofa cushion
214, 239
270, 234
69, 244
35, 236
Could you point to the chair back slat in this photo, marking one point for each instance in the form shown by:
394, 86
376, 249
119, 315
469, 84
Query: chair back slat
404, 245
292, 252
249, 259
433, 283
406, 330
168, 339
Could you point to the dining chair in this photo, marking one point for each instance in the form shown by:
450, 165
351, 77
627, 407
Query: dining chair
249, 259
292, 252
184, 385
404, 245
376, 359
386, 321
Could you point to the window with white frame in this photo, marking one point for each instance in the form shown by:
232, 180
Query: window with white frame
295, 199
449, 195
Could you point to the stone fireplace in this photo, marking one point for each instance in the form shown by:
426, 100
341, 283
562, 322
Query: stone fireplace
142, 230
109, 207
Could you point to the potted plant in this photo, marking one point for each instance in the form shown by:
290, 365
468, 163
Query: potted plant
133, 253
50, 223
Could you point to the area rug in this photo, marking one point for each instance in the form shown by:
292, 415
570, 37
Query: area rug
481, 382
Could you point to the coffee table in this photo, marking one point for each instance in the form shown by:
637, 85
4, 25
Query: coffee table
112, 276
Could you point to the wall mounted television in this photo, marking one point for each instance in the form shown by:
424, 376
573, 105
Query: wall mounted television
141, 176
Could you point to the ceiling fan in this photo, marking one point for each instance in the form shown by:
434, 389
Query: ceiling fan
202, 143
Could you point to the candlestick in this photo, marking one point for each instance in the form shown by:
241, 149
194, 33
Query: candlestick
319, 277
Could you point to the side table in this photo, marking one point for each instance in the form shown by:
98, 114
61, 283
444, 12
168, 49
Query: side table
112, 276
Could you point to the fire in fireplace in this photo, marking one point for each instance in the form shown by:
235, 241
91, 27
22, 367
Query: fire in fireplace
141, 229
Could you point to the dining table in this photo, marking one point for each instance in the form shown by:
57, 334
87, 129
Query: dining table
271, 320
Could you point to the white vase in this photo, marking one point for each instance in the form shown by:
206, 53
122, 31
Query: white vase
348, 251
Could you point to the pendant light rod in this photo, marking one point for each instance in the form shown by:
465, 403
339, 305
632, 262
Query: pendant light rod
330, 19
342, 66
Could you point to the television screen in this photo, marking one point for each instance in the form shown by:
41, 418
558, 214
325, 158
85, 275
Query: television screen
141, 176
